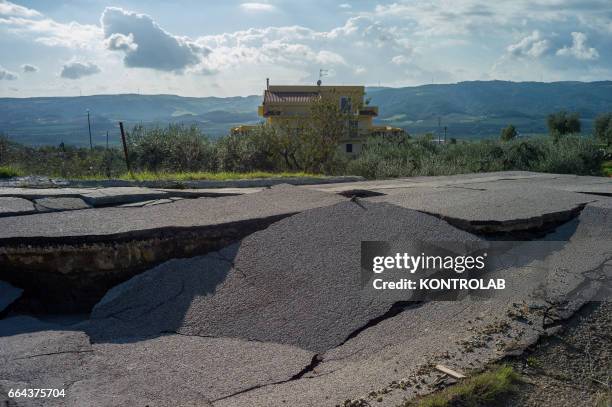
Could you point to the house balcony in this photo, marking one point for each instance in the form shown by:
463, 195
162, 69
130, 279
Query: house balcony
368, 111
265, 111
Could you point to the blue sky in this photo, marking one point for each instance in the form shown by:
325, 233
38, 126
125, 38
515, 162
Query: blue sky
224, 48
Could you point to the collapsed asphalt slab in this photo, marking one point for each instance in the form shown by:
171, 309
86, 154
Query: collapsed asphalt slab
187, 213
11, 206
68, 260
117, 195
60, 204
511, 208
297, 282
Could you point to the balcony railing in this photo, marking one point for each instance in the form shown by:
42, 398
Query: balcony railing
368, 111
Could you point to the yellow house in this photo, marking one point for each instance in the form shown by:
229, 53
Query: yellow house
283, 104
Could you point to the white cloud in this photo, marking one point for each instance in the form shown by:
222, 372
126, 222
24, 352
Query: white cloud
120, 42
400, 60
76, 70
31, 24
7, 75
257, 7
533, 45
401, 43
10, 9
28, 68
579, 48
145, 44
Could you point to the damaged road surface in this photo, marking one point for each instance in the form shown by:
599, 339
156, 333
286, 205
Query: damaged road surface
296, 283
278, 314
66, 261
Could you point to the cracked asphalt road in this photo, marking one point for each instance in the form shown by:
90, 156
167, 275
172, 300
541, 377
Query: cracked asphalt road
279, 318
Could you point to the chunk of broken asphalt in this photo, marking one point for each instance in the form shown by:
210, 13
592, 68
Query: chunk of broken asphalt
297, 282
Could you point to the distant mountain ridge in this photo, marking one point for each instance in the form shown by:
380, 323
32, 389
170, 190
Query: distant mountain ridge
468, 109
482, 108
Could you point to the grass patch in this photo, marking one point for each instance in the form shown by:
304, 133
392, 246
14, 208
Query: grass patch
606, 168
212, 176
603, 400
9, 172
484, 389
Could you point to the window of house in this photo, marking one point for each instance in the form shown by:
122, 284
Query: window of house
349, 148
345, 104
354, 128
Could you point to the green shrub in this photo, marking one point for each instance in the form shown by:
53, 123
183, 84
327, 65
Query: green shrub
602, 129
179, 149
256, 150
508, 133
562, 123
571, 155
523, 155
9, 172
485, 389
172, 148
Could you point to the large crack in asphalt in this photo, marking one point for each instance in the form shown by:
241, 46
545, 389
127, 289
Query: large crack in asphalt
51, 283
299, 375
532, 228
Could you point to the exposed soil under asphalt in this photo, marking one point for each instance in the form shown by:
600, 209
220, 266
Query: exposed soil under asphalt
572, 367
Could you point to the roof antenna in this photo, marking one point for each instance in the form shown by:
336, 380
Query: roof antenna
322, 73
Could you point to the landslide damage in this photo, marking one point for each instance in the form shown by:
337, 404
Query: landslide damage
66, 261
294, 284
72, 274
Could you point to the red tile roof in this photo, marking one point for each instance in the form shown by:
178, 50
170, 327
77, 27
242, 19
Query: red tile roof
289, 97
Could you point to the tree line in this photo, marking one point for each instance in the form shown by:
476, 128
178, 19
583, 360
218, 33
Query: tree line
563, 123
311, 145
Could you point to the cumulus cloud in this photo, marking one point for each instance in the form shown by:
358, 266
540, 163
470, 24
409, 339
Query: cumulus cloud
7, 75
257, 7
28, 68
76, 70
145, 44
400, 42
533, 45
579, 48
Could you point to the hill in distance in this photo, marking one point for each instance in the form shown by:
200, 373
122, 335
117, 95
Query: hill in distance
468, 109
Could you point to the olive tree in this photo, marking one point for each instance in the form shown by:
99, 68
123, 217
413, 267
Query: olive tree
562, 123
508, 133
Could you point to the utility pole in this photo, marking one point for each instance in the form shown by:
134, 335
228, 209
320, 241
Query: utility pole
107, 158
89, 127
125, 148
